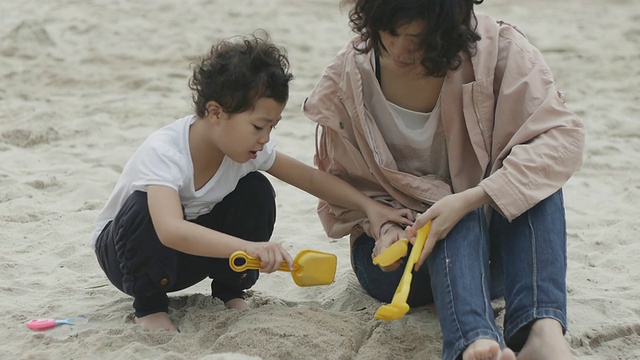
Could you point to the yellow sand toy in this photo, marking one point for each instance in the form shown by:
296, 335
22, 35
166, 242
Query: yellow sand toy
310, 267
398, 306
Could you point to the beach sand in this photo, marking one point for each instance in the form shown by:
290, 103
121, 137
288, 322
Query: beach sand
82, 83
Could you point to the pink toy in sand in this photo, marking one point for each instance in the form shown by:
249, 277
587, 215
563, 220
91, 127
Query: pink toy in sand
43, 324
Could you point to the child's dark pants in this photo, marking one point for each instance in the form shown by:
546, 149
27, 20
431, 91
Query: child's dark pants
136, 262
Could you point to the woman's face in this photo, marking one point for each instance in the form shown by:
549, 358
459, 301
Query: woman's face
403, 45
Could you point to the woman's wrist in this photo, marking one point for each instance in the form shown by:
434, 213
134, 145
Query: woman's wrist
478, 197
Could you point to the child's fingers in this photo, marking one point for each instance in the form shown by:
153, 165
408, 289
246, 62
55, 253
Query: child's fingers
408, 214
288, 259
265, 261
277, 260
402, 219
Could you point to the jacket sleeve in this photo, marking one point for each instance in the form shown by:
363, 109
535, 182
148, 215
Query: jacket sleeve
537, 142
324, 108
330, 157
338, 154
336, 220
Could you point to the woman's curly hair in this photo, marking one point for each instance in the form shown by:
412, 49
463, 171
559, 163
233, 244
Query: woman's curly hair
238, 71
448, 31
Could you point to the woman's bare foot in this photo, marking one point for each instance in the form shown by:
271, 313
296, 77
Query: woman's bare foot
486, 349
238, 304
545, 341
156, 321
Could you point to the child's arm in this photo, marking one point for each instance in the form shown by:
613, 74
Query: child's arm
334, 190
187, 237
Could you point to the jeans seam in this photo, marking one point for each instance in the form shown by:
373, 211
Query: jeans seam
446, 267
534, 266
486, 297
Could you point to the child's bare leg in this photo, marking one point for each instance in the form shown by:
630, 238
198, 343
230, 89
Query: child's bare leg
156, 321
238, 304
545, 341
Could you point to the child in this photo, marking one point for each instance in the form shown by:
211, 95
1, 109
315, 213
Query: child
191, 194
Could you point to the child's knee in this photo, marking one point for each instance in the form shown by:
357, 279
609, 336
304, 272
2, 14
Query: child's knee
259, 189
147, 265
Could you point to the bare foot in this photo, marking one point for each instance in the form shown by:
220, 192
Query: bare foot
156, 321
238, 304
545, 341
507, 354
486, 349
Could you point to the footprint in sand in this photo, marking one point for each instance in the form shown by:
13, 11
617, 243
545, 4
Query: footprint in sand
27, 32
44, 184
27, 138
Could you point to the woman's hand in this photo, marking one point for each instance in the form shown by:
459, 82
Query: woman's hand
388, 238
271, 255
444, 215
379, 214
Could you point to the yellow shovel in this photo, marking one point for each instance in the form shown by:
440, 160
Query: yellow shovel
310, 267
393, 253
398, 306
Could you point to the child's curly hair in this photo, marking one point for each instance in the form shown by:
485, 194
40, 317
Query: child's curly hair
235, 74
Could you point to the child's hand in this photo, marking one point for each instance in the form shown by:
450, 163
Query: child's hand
271, 255
380, 214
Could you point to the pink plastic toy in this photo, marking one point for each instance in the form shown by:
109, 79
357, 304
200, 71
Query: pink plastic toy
43, 324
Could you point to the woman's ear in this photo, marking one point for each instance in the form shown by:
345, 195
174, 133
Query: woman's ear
214, 111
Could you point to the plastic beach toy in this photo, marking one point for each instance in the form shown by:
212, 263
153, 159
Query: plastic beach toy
43, 324
310, 267
398, 306
393, 253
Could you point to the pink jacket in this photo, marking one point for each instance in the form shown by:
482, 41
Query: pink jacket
507, 130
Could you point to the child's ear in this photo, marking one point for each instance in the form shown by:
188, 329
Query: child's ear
214, 111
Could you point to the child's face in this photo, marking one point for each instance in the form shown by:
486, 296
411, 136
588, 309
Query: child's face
242, 135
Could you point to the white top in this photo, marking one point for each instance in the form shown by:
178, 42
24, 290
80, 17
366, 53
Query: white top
164, 158
416, 141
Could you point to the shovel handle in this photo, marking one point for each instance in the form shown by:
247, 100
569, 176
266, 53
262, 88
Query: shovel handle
398, 306
240, 261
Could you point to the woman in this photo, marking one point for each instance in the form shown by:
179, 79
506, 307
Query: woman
451, 114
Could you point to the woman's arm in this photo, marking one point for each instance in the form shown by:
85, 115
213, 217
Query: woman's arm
190, 238
334, 190
538, 142
444, 215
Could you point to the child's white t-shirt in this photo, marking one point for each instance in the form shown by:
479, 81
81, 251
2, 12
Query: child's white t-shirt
164, 158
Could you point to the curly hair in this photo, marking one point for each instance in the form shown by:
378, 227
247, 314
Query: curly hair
238, 71
448, 32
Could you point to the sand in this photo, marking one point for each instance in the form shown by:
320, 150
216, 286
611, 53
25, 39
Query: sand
82, 83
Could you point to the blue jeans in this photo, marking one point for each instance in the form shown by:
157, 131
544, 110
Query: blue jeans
523, 260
